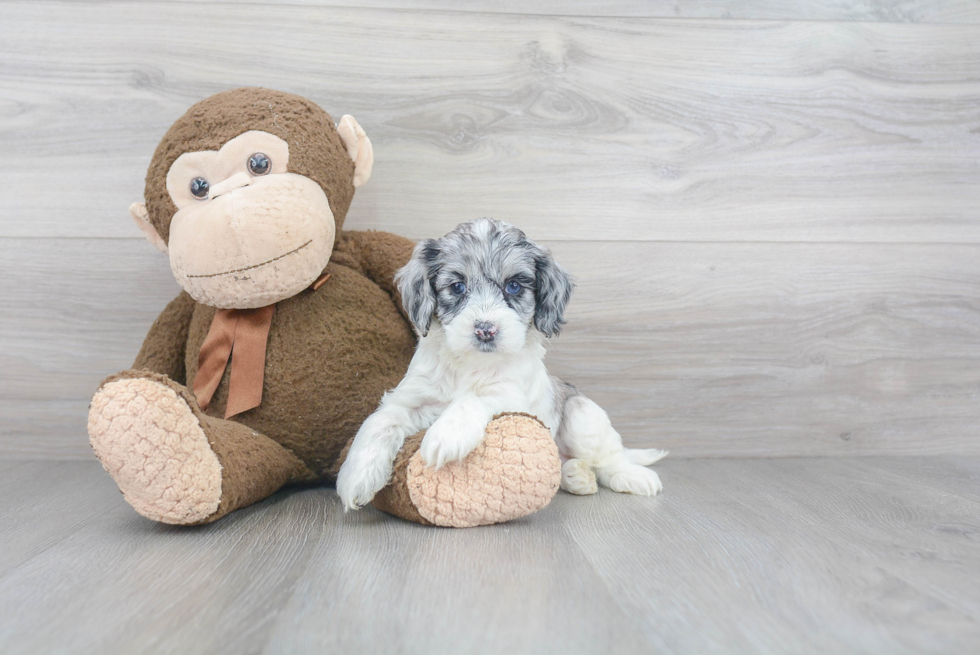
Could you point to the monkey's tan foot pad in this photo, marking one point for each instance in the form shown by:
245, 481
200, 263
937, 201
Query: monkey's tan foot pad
152, 444
515, 471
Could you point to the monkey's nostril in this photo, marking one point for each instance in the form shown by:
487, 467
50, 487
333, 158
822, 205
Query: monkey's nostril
485, 331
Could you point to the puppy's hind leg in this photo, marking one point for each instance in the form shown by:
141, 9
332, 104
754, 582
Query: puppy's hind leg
587, 435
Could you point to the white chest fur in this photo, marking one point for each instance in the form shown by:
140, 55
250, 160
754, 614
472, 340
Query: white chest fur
509, 382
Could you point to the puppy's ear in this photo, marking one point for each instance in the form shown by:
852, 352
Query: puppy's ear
553, 288
415, 286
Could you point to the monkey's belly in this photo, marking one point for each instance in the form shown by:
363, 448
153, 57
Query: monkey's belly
330, 356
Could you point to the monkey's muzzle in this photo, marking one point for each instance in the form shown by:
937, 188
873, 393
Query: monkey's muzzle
254, 241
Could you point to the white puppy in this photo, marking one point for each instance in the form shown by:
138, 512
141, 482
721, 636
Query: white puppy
484, 299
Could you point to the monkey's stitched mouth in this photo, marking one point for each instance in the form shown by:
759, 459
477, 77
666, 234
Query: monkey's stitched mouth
248, 268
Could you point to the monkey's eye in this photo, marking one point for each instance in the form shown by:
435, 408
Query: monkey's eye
458, 288
200, 188
259, 164
513, 287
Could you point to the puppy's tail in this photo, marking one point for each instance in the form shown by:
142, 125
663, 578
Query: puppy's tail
644, 456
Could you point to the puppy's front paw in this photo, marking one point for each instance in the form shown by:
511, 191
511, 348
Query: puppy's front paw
631, 479
360, 479
578, 478
450, 439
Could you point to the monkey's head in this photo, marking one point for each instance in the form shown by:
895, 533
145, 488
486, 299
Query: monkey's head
248, 191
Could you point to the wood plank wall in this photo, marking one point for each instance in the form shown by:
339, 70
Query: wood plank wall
772, 209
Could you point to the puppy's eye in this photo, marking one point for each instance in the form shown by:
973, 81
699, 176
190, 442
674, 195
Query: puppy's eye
513, 287
259, 164
199, 188
458, 288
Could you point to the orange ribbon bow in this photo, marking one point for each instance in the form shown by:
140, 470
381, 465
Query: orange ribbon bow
239, 334
242, 335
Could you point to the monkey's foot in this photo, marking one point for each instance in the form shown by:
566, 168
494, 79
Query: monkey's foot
515, 471
152, 444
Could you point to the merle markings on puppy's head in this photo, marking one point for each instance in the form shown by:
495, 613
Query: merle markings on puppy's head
486, 283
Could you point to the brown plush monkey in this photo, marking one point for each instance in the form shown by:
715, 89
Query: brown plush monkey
286, 335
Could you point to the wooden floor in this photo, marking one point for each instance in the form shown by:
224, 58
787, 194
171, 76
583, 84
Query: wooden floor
794, 555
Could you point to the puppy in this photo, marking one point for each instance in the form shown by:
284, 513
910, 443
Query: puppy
484, 300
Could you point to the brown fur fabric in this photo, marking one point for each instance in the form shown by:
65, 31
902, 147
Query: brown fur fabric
163, 349
315, 148
379, 252
331, 355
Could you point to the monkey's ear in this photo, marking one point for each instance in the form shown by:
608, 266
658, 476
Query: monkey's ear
358, 147
142, 219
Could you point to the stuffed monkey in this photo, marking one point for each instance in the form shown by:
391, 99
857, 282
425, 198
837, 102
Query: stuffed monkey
286, 334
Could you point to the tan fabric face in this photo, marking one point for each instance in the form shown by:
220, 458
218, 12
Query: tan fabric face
218, 166
255, 245
316, 150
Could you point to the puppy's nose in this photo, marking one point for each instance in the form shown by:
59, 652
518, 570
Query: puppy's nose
484, 331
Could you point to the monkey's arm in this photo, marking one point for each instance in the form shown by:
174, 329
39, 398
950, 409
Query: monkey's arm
165, 344
377, 255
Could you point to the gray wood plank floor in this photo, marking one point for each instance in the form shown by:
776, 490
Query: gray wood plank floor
795, 555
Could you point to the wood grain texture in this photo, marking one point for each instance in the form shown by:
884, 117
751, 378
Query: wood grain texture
704, 349
576, 127
773, 223
45, 503
959, 476
914, 11
901, 11
793, 555
523, 587
125, 584
778, 349
776, 551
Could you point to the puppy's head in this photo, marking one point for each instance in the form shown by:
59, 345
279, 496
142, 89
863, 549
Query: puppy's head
487, 284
